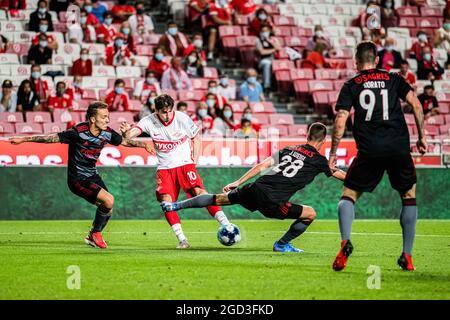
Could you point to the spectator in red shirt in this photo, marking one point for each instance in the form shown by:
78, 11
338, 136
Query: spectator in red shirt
157, 64
197, 8
125, 29
220, 13
389, 57
91, 18
405, 73
82, 31
75, 91
145, 87
60, 100
261, 17
106, 30
418, 46
218, 101
428, 68
83, 65
315, 59
243, 7
121, 11
203, 117
173, 41
247, 114
117, 99
118, 54
43, 28
196, 45
13, 4
39, 86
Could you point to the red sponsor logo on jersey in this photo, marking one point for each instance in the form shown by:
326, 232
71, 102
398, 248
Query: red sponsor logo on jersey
306, 152
93, 152
372, 76
167, 146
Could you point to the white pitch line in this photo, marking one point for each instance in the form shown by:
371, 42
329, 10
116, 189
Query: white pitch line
210, 232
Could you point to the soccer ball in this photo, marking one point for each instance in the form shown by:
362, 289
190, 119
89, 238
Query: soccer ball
229, 234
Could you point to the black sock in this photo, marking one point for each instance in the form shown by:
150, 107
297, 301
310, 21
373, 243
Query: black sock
200, 201
101, 218
296, 229
106, 222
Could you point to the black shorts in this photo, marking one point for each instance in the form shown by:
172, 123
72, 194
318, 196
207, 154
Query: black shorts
87, 188
253, 198
365, 173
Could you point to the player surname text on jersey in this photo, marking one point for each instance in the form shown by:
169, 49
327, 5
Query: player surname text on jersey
374, 85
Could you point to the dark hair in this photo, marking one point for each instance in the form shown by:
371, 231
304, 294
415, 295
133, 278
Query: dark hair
40, 1
171, 22
164, 101
118, 81
107, 13
93, 108
247, 108
404, 62
429, 86
60, 82
317, 132
366, 52
244, 121
20, 91
181, 104
261, 10
212, 81
148, 71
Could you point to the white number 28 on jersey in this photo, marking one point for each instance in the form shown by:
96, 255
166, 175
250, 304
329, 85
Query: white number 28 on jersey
288, 167
370, 105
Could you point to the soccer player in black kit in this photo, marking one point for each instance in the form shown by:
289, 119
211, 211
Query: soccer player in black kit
291, 169
86, 140
382, 139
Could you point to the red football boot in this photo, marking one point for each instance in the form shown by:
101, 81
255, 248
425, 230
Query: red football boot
95, 239
341, 259
405, 262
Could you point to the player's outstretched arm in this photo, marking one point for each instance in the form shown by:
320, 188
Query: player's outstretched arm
339, 174
338, 133
138, 144
127, 131
50, 138
414, 102
250, 174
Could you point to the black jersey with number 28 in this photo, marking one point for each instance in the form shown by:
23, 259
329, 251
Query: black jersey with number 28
85, 148
295, 167
379, 125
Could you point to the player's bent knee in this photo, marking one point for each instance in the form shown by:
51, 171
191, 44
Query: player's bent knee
410, 194
309, 214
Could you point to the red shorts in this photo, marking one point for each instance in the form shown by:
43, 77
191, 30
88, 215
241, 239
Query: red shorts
169, 181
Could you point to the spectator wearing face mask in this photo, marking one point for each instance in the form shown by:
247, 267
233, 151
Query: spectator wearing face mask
418, 46
140, 22
83, 65
122, 11
118, 54
319, 36
315, 59
173, 41
429, 102
106, 31
389, 16
428, 68
219, 14
82, 32
75, 91
157, 63
41, 13
261, 17
40, 53
8, 97
39, 85
442, 37
117, 99
197, 8
203, 118
145, 87
251, 90
91, 19
175, 78
149, 106
267, 48
247, 114
245, 131
243, 7
43, 28
224, 123
225, 89
216, 100
182, 107
125, 29
27, 99
197, 46
193, 65
389, 57
60, 99
406, 74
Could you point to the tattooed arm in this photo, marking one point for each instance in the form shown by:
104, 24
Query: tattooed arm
338, 133
138, 144
414, 102
50, 138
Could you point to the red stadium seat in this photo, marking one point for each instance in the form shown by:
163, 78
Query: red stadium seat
262, 107
347, 73
89, 94
6, 128
230, 46
320, 98
54, 127
135, 105
260, 118
333, 97
210, 73
229, 31
28, 128
18, 48
412, 130
282, 65
144, 50
296, 42
13, 117
443, 96
431, 130
241, 20
200, 84
301, 32
444, 108
283, 21
81, 105
408, 11
409, 118
298, 130
428, 22
276, 119
444, 129
190, 95
301, 88
407, 22
326, 74
238, 106
431, 12
271, 8
337, 84
279, 130
320, 85
303, 74
283, 31
119, 117
151, 39
38, 117
64, 116
170, 92
437, 120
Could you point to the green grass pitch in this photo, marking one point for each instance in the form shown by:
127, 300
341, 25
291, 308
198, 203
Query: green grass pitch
142, 262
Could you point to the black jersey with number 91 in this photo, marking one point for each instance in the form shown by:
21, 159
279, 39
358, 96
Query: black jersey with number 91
379, 124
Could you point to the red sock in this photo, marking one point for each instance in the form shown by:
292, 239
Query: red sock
172, 217
213, 210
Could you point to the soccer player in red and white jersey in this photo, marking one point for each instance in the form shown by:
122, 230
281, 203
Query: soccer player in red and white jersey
173, 133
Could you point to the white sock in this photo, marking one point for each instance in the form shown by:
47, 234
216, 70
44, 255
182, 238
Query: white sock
178, 232
221, 218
